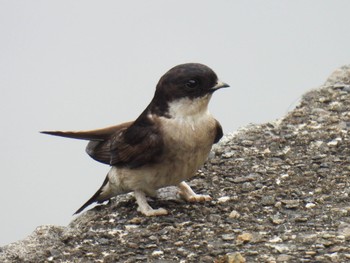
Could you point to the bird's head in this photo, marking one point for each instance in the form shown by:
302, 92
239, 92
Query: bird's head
188, 84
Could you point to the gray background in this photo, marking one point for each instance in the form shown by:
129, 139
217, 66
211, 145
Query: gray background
74, 65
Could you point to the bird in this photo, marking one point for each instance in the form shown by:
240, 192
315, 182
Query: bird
166, 145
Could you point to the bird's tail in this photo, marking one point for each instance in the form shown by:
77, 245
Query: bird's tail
95, 198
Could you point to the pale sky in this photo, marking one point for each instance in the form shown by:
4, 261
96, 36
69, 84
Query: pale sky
75, 65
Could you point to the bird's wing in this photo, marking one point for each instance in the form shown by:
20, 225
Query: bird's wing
92, 135
100, 148
140, 144
219, 132
131, 146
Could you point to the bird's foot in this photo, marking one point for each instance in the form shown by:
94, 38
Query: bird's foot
189, 195
152, 212
198, 198
145, 208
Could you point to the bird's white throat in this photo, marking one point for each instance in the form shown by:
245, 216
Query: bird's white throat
189, 108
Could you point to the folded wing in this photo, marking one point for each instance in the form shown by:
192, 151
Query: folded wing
130, 144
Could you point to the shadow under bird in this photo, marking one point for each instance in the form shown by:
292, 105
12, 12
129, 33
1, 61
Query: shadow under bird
164, 146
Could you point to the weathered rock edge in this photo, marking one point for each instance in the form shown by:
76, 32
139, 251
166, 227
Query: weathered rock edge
280, 194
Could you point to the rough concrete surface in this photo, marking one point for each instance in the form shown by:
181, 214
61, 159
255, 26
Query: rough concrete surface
280, 194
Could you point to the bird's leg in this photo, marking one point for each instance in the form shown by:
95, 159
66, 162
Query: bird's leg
145, 208
187, 193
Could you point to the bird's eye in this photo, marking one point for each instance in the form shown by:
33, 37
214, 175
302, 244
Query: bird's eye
192, 83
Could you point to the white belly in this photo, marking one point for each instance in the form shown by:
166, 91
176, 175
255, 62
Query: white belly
188, 139
187, 145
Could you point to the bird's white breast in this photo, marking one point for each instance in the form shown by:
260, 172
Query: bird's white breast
188, 137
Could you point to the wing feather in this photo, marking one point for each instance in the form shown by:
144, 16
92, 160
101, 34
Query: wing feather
219, 132
131, 146
93, 135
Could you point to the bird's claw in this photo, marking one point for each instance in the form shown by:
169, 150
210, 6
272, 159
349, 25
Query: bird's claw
153, 212
197, 198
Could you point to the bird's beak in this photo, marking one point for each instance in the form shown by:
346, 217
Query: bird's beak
220, 85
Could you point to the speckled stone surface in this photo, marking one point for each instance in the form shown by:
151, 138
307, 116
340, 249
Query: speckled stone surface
280, 194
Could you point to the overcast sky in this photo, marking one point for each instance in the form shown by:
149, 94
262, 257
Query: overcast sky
75, 65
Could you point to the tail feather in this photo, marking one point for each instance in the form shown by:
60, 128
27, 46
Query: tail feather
94, 198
